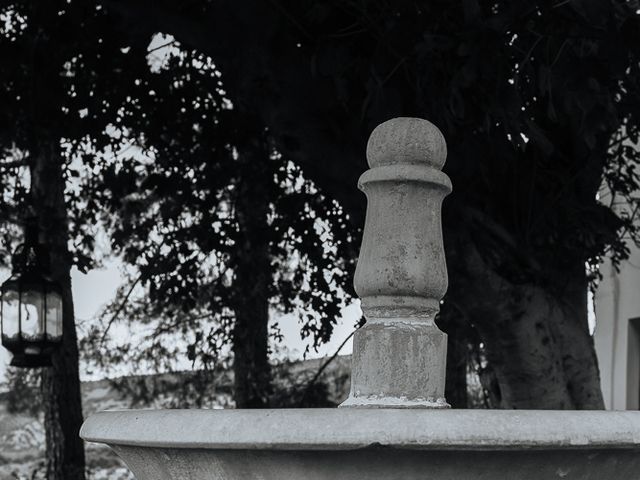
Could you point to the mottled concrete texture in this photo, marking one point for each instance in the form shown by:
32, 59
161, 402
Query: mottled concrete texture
406, 140
372, 443
399, 364
401, 268
399, 355
380, 464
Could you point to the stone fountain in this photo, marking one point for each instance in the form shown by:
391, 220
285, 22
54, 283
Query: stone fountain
396, 423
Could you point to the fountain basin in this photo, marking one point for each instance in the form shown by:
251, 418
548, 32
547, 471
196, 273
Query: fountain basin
349, 444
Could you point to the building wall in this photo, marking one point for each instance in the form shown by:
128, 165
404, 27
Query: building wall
617, 333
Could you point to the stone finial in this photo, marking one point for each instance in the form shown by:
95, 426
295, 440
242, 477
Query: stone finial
399, 355
408, 141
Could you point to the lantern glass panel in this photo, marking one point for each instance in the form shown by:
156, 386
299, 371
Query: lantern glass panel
54, 316
10, 310
32, 318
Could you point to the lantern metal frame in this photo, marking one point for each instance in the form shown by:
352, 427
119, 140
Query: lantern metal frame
30, 273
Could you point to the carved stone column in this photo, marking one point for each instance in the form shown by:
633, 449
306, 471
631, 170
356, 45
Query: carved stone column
399, 355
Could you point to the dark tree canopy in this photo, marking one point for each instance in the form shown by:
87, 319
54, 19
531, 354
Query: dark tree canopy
529, 97
272, 103
154, 152
174, 211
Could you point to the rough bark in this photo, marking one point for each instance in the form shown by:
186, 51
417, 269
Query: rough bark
65, 459
252, 375
454, 325
578, 352
536, 341
456, 380
524, 352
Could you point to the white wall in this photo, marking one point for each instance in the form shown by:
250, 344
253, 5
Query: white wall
617, 333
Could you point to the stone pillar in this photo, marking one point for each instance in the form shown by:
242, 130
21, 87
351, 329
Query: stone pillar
399, 355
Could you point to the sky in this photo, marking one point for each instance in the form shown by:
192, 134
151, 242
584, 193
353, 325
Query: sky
94, 290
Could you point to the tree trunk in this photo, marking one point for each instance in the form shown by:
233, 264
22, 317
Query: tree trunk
536, 341
578, 352
456, 380
61, 382
542, 353
252, 266
524, 351
457, 361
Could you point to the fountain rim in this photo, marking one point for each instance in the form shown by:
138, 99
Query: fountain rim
355, 428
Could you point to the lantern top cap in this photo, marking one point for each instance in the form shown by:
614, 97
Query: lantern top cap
406, 140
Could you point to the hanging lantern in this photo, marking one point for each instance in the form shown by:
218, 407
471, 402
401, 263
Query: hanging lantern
31, 315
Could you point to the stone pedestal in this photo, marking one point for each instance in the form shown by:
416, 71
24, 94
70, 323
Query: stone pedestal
399, 355
398, 364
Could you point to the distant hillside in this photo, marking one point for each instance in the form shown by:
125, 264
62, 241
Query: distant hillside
22, 435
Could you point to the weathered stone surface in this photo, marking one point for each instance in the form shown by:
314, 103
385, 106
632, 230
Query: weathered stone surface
323, 444
401, 268
399, 355
406, 140
346, 429
398, 364
374, 463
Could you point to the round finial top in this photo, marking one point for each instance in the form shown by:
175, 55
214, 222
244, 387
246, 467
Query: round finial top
405, 140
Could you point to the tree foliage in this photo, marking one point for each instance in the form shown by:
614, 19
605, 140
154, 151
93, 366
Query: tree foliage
538, 102
22, 395
151, 147
529, 97
170, 208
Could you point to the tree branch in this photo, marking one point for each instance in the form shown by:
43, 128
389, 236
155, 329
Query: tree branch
120, 308
324, 366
